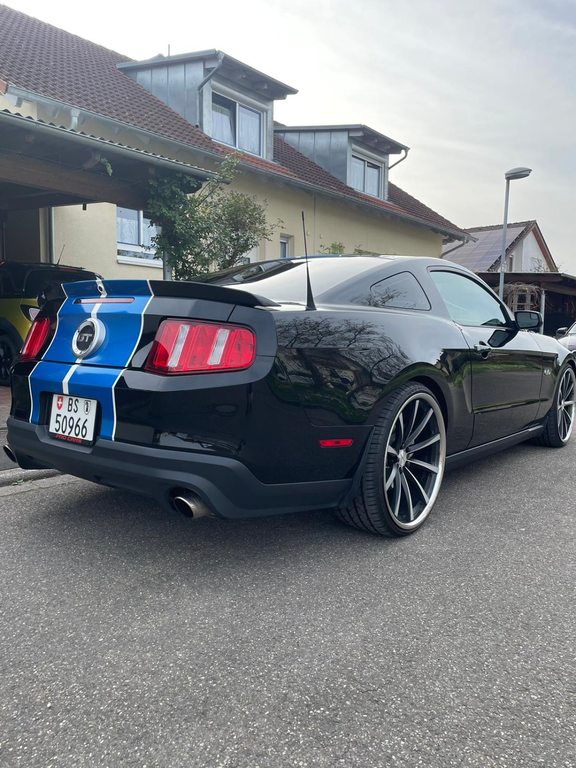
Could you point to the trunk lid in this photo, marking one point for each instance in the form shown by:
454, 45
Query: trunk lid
105, 322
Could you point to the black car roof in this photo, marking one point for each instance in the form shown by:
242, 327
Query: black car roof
22, 267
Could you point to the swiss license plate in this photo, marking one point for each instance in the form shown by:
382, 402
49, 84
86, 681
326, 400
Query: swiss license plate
73, 418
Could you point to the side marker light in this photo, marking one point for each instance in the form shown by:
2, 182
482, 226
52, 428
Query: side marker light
337, 443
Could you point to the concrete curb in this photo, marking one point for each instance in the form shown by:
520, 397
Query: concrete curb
18, 476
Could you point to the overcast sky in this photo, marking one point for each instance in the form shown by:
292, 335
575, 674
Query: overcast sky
473, 87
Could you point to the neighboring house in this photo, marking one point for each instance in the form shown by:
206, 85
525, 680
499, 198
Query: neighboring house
531, 276
100, 113
526, 249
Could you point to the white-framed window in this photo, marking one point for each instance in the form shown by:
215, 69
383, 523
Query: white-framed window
286, 246
366, 176
237, 125
134, 233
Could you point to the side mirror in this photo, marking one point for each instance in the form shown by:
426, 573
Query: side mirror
528, 321
561, 332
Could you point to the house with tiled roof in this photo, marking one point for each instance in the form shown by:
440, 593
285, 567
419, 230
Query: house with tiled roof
83, 129
532, 280
526, 249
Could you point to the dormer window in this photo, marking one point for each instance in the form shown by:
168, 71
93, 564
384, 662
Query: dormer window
236, 124
366, 176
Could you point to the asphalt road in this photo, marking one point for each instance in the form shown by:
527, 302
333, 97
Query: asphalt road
134, 638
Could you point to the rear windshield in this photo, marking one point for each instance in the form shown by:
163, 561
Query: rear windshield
285, 281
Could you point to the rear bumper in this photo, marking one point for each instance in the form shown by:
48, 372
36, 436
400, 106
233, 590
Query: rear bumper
225, 485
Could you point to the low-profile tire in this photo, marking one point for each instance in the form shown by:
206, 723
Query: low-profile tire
404, 466
560, 419
8, 353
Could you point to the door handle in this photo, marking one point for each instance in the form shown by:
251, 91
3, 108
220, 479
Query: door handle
482, 349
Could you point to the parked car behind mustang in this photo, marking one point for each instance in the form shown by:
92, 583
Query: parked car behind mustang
248, 394
20, 285
567, 337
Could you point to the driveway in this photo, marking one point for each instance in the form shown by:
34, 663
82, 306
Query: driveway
131, 637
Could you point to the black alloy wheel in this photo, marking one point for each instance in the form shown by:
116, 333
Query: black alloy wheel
404, 465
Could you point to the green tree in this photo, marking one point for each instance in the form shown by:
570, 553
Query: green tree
207, 228
336, 247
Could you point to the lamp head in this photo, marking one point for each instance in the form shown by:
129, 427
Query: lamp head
517, 173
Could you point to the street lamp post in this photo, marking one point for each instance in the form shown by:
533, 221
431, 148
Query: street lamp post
514, 173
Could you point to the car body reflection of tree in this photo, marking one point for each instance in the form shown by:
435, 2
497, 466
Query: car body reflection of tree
338, 368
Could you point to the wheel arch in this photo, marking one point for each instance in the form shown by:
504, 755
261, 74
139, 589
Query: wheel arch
439, 387
438, 393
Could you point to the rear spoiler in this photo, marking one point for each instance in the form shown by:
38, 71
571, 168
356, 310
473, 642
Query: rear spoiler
191, 290
164, 288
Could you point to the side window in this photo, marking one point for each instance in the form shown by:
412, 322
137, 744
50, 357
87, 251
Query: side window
467, 302
402, 291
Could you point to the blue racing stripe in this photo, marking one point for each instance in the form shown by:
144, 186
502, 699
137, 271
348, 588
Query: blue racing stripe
46, 377
121, 321
99, 385
60, 372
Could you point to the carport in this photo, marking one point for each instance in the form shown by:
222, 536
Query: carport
551, 293
43, 165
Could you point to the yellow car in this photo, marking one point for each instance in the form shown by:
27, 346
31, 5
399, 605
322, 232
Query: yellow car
20, 286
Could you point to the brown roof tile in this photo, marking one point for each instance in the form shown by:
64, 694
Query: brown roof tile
416, 208
39, 57
398, 201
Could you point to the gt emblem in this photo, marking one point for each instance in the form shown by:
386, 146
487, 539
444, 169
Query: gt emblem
547, 371
88, 337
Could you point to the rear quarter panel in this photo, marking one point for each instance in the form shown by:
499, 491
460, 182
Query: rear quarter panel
341, 362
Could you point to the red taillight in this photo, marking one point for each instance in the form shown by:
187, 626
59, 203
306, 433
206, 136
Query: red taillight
37, 337
185, 346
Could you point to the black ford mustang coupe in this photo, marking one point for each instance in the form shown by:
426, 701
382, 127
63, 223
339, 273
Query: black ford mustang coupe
346, 383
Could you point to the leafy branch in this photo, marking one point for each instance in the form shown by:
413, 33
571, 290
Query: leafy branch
205, 228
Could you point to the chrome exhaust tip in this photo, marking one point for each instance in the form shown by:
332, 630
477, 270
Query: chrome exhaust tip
188, 504
10, 453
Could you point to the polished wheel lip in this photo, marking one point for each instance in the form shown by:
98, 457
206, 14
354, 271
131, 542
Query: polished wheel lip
414, 465
565, 405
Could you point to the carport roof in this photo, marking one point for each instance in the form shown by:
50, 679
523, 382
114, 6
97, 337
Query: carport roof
70, 69
82, 75
558, 282
36, 180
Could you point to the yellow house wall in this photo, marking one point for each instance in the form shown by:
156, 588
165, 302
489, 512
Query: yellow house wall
331, 221
89, 237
